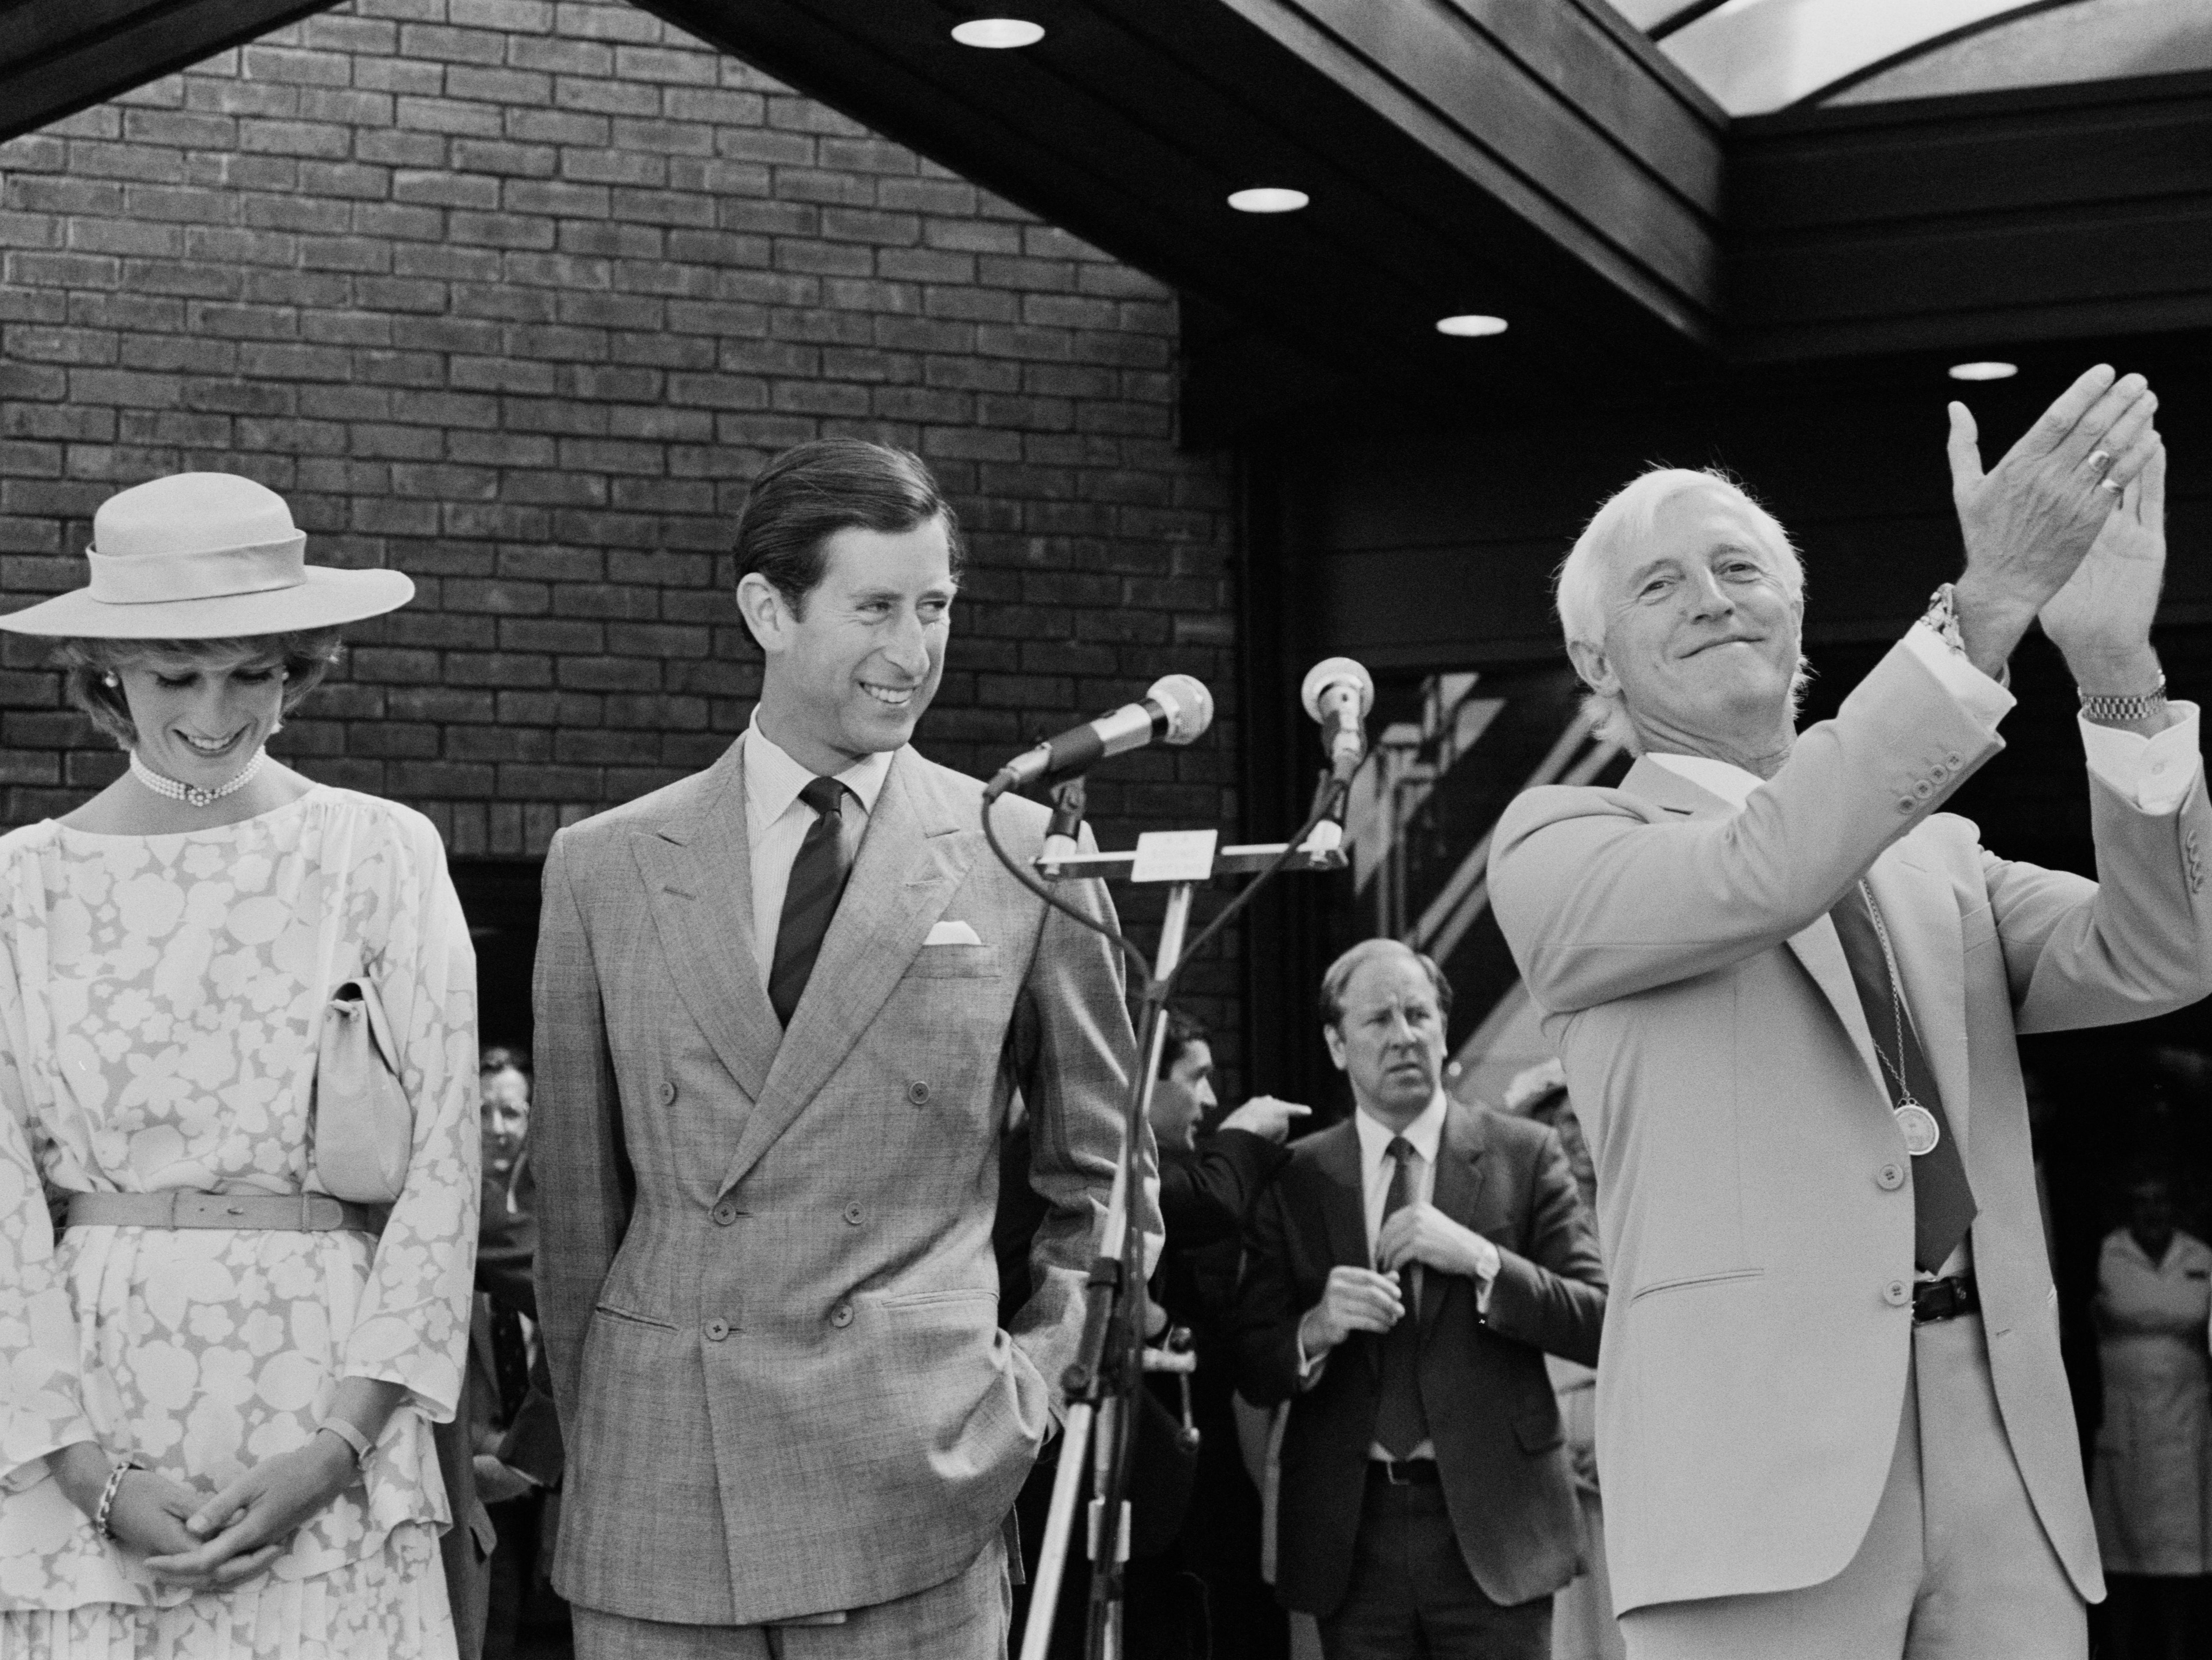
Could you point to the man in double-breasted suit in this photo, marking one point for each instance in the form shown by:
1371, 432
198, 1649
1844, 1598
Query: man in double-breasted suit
1832, 1418
781, 1007
1404, 1277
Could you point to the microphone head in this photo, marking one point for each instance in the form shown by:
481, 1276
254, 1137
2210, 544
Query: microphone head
1189, 705
1336, 671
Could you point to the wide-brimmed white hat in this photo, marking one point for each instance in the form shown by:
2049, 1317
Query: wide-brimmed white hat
205, 556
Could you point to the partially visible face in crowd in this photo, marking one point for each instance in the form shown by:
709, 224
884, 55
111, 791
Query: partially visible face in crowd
1701, 634
1388, 1038
200, 718
506, 1109
850, 673
1183, 1098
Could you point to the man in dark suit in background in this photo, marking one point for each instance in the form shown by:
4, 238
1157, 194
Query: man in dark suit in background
1405, 1276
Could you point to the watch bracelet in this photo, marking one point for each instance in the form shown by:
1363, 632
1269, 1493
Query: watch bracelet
2108, 708
103, 1515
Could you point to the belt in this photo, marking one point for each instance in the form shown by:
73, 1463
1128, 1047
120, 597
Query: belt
1944, 1299
1406, 1472
181, 1207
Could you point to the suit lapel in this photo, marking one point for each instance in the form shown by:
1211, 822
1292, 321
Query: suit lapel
1817, 949
1457, 1190
1344, 1209
697, 870
912, 860
1922, 918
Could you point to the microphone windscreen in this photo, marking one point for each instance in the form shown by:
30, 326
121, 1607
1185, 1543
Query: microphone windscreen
1189, 706
1331, 672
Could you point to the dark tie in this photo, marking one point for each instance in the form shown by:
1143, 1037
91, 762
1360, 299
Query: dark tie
1942, 1202
1400, 1425
510, 1361
817, 882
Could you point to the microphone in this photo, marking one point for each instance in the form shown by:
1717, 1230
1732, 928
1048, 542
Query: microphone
1337, 693
1174, 710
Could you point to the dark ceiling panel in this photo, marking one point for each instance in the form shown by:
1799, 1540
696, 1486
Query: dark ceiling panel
57, 56
2003, 217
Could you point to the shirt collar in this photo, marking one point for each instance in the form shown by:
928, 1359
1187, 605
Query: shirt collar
1722, 778
1424, 1132
773, 779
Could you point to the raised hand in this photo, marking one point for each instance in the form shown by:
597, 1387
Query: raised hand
2100, 620
2028, 521
1264, 1116
1422, 1233
1354, 1299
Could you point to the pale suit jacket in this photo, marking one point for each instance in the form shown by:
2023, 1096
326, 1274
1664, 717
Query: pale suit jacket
1754, 1199
765, 1278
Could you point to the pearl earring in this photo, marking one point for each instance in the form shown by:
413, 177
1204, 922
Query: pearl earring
109, 680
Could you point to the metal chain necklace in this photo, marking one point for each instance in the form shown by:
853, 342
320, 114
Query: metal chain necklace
189, 795
1915, 1122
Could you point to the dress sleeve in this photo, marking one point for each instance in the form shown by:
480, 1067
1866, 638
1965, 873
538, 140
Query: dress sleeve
413, 1327
41, 1401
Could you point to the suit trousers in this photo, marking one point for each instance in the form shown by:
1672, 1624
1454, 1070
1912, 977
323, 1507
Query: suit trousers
1955, 1565
1412, 1596
965, 1618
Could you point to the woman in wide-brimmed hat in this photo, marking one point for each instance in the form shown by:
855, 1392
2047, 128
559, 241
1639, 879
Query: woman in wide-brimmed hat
217, 1379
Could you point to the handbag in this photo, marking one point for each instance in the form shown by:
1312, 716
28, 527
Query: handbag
364, 1125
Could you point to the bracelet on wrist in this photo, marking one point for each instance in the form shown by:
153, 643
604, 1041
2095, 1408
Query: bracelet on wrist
104, 1514
2110, 710
357, 1442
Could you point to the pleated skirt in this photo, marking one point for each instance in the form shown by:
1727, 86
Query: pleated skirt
379, 1607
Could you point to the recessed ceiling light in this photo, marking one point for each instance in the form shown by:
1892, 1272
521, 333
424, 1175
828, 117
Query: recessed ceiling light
998, 33
1267, 198
1984, 371
1470, 326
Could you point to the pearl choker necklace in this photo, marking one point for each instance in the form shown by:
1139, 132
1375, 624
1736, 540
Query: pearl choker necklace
187, 794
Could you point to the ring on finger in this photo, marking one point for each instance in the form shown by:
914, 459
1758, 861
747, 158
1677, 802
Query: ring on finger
2099, 459
2111, 486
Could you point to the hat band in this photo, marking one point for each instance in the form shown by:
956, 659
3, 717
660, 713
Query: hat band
146, 579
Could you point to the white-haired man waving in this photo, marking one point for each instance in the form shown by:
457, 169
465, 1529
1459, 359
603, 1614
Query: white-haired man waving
1786, 987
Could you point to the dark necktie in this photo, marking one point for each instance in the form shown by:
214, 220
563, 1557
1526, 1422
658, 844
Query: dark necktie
1942, 1202
817, 882
510, 1361
1400, 1424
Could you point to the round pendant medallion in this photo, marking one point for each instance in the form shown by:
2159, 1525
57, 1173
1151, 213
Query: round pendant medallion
1919, 1127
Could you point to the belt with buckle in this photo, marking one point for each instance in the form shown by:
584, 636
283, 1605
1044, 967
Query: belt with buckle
181, 1207
1944, 1299
1407, 1472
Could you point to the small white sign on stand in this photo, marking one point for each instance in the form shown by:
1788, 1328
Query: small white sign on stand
1175, 856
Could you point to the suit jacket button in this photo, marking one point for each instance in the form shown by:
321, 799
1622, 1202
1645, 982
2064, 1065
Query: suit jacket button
717, 1329
842, 1315
667, 1093
1897, 1293
725, 1213
1954, 759
918, 1092
853, 1214
1922, 790
1905, 804
1890, 1177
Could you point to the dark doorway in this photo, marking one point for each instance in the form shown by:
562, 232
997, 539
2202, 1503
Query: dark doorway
499, 899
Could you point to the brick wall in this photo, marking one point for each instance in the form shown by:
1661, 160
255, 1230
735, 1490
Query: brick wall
515, 296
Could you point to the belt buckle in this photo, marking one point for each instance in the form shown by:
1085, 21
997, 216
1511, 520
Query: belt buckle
1390, 1467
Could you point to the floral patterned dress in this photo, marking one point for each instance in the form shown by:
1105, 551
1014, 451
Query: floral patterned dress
160, 1001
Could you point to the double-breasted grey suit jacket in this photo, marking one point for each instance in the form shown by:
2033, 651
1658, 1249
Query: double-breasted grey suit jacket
765, 1279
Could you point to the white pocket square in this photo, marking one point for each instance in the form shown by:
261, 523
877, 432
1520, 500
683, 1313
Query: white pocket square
951, 934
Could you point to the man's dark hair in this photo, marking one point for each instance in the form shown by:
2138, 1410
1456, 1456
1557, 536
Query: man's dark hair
1339, 974
813, 491
1184, 1031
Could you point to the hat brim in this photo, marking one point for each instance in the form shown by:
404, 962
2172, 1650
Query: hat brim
326, 599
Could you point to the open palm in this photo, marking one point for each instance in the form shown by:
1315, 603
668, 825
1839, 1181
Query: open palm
2104, 613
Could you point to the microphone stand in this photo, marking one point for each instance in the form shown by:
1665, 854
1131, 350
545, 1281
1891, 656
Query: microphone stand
1102, 1382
